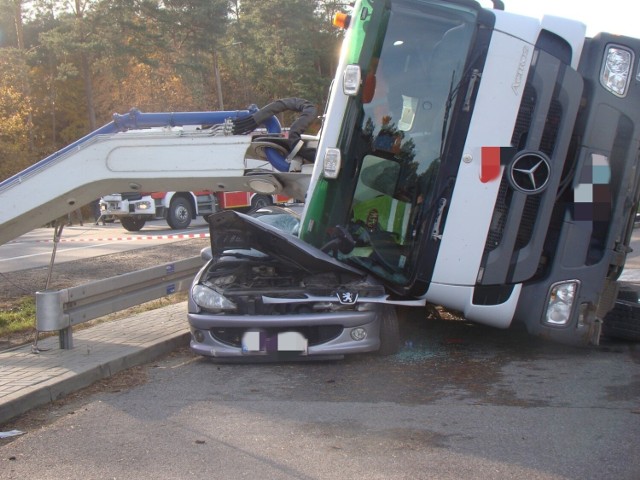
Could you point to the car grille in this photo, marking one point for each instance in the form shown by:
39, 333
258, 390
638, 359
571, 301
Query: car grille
315, 335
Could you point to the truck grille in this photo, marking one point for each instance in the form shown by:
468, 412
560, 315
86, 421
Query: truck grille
514, 247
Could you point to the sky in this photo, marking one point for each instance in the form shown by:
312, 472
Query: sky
613, 16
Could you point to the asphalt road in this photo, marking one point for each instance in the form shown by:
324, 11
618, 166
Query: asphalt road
457, 402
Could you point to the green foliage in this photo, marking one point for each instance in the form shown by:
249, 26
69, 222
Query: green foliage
20, 318
288, 48
15, 110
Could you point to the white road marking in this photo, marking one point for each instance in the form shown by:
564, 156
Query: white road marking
49, 253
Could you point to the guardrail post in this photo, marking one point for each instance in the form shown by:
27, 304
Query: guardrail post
50, 315
65, 338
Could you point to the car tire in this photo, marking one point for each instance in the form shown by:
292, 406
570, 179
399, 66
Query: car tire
389, 331
623, 322
132, 224
179, 214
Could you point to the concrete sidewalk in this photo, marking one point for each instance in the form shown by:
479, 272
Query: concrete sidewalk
29, 380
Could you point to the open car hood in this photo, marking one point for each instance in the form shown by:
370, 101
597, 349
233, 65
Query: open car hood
231, 230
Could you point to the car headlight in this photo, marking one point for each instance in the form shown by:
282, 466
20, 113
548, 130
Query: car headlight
211, 300
561, 298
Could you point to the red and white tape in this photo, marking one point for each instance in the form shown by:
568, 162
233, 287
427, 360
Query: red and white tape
134, 238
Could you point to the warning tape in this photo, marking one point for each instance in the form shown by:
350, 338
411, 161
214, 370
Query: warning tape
185, 236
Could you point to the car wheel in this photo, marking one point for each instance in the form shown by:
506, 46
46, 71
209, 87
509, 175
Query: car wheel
623, 322
180, 213
389, 331
132, 224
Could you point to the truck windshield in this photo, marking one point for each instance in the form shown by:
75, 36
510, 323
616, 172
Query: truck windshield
403, 116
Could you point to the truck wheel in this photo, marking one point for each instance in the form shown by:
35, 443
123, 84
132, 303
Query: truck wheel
179, 214
389, 331
132, 224
623, 322
259, 201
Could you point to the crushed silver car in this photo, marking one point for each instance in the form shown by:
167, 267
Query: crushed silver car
265, 293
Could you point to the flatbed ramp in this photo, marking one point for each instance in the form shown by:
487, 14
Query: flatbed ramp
149, 154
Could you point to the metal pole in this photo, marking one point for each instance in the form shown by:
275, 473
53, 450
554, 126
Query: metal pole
57, 233
65, 339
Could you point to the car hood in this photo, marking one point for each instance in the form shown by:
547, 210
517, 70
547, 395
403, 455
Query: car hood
231, 230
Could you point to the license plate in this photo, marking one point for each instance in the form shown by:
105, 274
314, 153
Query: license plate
255, 342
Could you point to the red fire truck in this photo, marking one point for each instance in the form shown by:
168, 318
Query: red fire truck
133, 209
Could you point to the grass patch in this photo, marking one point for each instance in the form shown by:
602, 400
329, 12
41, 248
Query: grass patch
19, 317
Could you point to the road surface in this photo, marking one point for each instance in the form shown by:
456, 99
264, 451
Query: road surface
34, 249
459, 401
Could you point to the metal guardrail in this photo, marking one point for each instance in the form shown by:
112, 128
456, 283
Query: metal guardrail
62, 309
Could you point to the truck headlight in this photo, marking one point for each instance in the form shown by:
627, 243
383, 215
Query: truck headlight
211, 300
561, 298
616, 69
143, 205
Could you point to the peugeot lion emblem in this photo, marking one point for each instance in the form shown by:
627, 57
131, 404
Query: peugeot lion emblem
530, 172
347, 297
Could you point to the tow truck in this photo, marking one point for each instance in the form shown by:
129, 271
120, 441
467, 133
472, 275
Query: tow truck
469, 157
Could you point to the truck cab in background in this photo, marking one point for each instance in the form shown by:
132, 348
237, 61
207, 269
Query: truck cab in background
134, 209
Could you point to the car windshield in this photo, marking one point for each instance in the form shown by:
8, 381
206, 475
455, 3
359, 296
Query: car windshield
281, 219
409, 92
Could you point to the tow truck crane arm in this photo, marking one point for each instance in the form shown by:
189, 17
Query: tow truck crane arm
132, 153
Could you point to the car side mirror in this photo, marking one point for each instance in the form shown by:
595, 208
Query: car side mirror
205, 254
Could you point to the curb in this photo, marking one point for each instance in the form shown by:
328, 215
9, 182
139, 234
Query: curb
54, 390
48, 378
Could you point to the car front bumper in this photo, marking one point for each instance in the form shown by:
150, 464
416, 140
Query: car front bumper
203, 341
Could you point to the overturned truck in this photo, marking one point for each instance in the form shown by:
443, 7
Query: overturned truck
470, 158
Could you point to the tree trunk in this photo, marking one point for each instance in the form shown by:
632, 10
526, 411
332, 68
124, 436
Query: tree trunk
27, 85
88, 90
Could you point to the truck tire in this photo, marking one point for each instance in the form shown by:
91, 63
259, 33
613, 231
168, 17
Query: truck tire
179, 214
623, 322
389, 331
132, 224
259, 201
